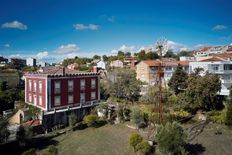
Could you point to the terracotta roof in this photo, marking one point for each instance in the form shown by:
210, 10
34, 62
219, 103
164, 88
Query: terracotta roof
32, 123
60, 71
214, 59
224, 56
229, 48
165, 63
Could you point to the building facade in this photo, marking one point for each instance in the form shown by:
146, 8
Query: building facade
61, 91
31, 62
116, 63
146, 71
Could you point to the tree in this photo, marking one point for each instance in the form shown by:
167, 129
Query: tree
178, 80
96, 57
128, 54
184, 53
228, 118
134, 140
170, 138
151, 56
3, 85
120, 55
142, 55
170, 54
201, 93
105, 58
124, 85
4, 132
136, 116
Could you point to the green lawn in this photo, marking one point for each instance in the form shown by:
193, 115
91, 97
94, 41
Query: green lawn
105, 140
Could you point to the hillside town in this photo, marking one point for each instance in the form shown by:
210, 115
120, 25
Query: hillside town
115, 77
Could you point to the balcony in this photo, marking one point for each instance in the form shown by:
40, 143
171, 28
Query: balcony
220, 71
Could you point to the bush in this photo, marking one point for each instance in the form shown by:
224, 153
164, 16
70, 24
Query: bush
134, 140
144, 147
170, 138
52, 150
91, 120
217, 116
138, 117
179, 115
72, 120
31, 151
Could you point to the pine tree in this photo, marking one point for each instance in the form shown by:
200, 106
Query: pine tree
178, 80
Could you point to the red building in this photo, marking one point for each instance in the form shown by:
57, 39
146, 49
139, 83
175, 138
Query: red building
60, 91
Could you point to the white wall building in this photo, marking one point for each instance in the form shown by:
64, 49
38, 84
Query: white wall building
219, 67
101, 64
31, 62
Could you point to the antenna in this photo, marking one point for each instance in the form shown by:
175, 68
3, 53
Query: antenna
162, 48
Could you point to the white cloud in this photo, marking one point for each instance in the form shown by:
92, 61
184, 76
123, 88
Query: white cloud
219, 27
67, 49
42, 55
174, 45
86, 27
7, 45
111, 19
16, 56
125, 48
15, 25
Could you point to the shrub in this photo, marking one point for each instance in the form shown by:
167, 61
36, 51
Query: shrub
72, 120
170, 138
217, 116
91, 120
144, 147
179, 115
138, 117
134, 140
52, 150
31, 151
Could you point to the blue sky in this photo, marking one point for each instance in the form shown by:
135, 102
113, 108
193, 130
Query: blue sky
54, 29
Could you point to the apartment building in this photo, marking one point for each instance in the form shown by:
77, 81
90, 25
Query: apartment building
147, 70
60, 91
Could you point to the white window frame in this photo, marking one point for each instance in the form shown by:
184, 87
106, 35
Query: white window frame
40, 86
70, 85
93, 83
57, 101
93, 95
35, 100
40, 100
70, 99
30, 85
82, 97
30, 98
57, 87
82, 84
35, 86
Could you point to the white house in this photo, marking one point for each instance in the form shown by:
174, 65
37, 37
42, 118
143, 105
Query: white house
223, 68
101, 64
116, 63
31, 62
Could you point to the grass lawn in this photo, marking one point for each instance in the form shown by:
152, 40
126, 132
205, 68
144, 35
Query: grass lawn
105, 140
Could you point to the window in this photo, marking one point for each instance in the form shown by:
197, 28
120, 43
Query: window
35, 86
215, 67
29, 85
93, 83
70, 98
227, 67
40, 100
82, 84
57, 100
82, 98
168, 68
57, 87
30, 99
40, 86
93, 95
70, 85
35, 100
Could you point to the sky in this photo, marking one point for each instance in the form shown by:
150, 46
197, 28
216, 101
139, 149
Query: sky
51, 30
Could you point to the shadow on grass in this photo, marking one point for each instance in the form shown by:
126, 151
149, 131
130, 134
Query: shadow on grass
40, 143
195, 149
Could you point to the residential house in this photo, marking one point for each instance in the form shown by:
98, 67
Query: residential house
59, 92
116, 64
130, 62
73, 66
219, 66
31, 62
147, 70
3, 61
